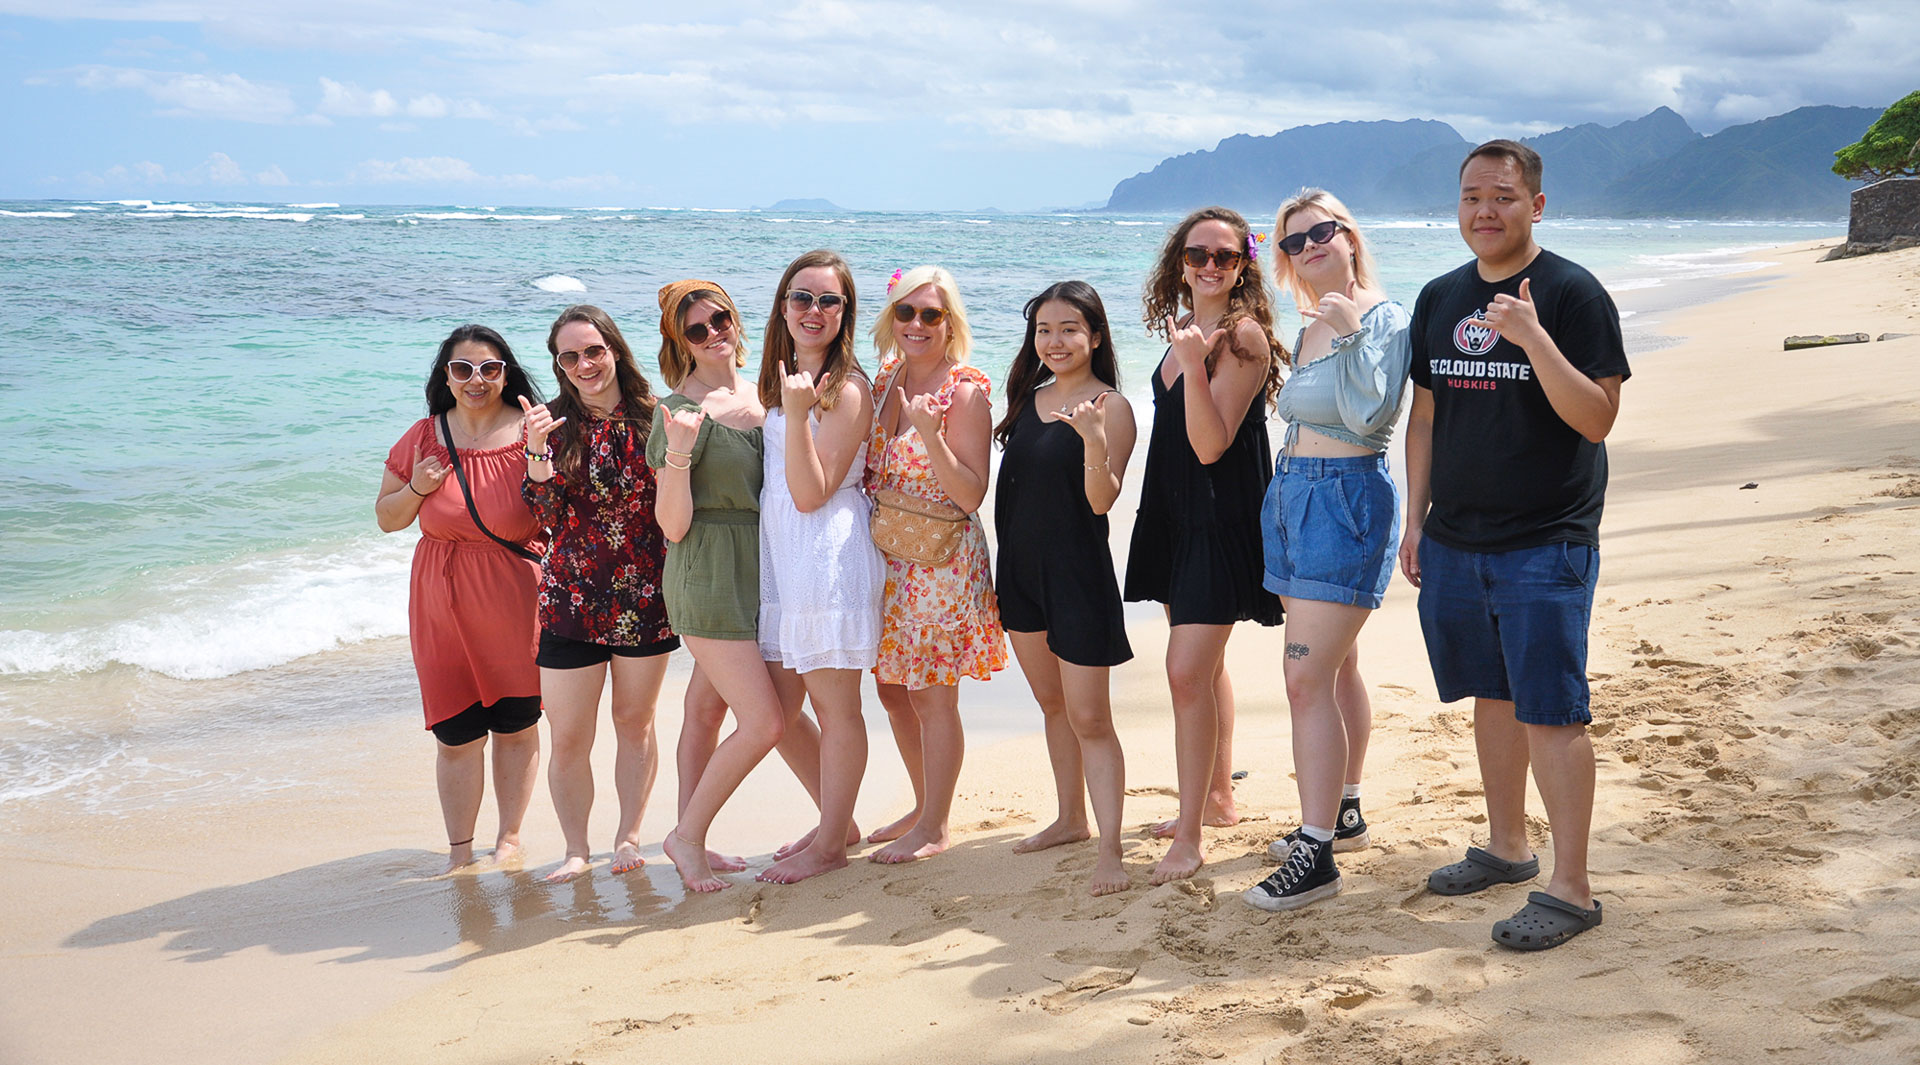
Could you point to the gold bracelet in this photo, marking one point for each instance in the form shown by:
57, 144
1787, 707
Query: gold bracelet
671, 466
1102, 466
682, 454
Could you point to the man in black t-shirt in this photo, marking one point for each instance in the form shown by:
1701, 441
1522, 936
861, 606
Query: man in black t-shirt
1517, 365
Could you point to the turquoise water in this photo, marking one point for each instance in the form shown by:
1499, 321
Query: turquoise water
201, 394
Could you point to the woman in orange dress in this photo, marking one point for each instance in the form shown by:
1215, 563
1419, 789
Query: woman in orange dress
939, 621
470, 613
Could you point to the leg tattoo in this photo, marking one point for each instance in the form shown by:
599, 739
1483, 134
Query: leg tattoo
1297, 650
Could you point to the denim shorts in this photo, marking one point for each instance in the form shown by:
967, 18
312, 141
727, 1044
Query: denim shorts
1329, 529
1511, 625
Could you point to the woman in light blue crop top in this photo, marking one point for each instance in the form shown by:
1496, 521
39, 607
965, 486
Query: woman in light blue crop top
1329, 526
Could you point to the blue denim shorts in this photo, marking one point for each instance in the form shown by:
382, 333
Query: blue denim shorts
1511, 625
1329, 529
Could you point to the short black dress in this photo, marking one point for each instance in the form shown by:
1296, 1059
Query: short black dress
1056, 570
1196, 539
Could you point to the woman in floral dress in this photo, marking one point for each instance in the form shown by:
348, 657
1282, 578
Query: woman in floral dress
939, 622
601, 608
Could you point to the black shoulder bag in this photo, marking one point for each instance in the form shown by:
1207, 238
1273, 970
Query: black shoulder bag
473, 511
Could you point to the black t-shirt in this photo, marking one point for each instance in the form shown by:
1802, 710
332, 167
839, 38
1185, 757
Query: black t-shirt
1508, 473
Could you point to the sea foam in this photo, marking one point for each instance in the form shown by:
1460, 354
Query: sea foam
559, 283
216, 621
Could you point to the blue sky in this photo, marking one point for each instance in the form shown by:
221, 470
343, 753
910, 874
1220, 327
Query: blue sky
872, 105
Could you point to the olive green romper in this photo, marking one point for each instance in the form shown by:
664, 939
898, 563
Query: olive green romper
713, 573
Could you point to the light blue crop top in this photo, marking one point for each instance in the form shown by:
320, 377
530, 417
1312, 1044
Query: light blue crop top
1353, 393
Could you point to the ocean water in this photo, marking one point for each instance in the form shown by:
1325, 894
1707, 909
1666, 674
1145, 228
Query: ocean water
202, 395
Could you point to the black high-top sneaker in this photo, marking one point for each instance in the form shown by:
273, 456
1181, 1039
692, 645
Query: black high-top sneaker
1349, 833
1306, 876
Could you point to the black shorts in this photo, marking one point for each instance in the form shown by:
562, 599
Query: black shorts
563, 652
515, 713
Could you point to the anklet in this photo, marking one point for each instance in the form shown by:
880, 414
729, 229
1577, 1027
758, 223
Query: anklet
462, 843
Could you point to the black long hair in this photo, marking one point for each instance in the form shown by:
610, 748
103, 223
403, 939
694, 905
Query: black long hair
440, 397
1029, 373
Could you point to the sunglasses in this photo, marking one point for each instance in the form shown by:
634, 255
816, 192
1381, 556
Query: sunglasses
569, 359
698, 332
828, 302
929, 316
1223, 259
1319, 233
462, 370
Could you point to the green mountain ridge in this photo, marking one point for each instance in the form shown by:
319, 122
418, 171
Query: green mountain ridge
1653, 166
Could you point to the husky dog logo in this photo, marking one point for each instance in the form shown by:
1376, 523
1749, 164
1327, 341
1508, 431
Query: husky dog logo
1473, 336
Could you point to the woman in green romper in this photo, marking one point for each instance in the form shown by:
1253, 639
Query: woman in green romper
705, 450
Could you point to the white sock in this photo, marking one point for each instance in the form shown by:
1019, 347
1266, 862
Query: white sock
1351, 791
1316, 833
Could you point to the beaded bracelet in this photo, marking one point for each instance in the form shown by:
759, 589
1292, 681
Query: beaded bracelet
540, 456
1101, 466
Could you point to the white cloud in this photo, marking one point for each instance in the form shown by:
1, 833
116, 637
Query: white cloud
218, 170
222, 96
347, 100
447, 170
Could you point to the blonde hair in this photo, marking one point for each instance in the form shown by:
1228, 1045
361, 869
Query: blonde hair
959, 335
1283, 275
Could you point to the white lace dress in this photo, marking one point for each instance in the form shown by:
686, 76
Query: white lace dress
820, 575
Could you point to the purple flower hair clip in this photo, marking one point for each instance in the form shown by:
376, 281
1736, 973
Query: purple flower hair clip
1253, 246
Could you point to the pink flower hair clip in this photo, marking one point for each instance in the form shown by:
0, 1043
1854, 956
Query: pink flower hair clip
892, 281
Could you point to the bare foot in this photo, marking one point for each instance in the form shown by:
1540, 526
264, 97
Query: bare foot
798, 845
913, 846
506, 854
1217, 815
626, 858
1109, 876
1181, 862
725, 863
572, 867
691, 862
458, 858
887, 833
1053, 836
798, 867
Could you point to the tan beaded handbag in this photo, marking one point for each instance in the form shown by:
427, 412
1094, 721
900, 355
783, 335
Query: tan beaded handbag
909, 528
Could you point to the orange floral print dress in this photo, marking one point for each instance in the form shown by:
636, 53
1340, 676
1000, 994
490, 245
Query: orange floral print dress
938, 622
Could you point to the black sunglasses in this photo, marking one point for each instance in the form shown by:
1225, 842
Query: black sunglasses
1319, 233
462, 370
929, 316
1223, 259
828, 302
698, 332
569, 359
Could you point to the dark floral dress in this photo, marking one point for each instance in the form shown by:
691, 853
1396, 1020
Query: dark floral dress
601, 582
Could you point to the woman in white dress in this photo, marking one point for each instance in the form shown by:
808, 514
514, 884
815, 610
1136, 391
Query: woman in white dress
820, 575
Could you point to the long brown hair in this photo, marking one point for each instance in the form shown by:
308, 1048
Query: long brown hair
635, 393
1029, 373
776, 351
676, 354
1166, 295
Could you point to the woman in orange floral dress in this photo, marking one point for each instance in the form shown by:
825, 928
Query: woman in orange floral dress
933, 427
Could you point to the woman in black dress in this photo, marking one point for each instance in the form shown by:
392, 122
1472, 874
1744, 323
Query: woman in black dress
1066, 439
1196, 542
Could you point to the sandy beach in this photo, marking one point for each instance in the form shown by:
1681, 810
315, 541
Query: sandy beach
1755, 660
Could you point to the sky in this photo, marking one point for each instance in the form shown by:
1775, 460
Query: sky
873, 105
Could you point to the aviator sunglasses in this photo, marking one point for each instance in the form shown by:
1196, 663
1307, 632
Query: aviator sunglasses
802, 300
592, 353
462, 370
929, 316
1319, 233
698, 332
1223, 258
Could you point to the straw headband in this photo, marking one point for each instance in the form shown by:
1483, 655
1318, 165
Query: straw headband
672, 293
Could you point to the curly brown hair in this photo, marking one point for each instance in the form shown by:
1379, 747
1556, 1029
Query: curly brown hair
1166, 296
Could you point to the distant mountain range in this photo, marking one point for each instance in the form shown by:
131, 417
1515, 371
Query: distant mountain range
1656, 165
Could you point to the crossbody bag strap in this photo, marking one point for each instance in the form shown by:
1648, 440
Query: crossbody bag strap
467, 491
